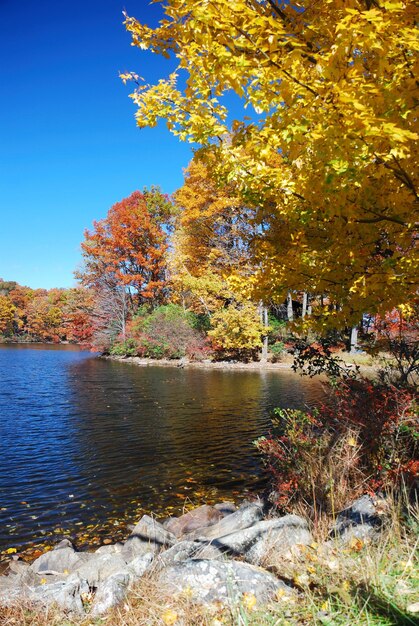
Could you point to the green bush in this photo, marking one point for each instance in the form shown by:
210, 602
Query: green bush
124, 348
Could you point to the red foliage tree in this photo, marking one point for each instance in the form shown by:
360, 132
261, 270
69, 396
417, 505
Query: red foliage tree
128, 248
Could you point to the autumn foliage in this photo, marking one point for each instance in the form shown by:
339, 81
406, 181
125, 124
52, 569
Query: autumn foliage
129, 247
363, 437
45, 315
325, 149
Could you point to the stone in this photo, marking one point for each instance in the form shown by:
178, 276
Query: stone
67, 595
364, 532
247, 515
226, 508
109, 593
185, 550
151, 531
138, 566
97, 568
134, 546
10, 591
270, 538
211, 581
362, 511
57, 561
114, 548
198, 518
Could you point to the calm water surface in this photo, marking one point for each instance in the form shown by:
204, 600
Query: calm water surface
85, 441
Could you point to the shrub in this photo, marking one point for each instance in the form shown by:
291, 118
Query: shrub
124, 348
169, 332
363, 437
236, 331
277, 350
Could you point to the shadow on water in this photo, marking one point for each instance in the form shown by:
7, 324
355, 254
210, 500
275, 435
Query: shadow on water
85, 440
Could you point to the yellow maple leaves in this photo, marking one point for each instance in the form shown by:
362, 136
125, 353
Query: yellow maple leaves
328, 148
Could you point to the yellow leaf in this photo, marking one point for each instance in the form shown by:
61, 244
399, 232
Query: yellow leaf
249, 601
169, 617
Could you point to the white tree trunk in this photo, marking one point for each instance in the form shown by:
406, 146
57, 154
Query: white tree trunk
305, 304
354, 339
290, 312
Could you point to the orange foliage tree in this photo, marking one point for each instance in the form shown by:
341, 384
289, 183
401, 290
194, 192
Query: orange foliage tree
129, 247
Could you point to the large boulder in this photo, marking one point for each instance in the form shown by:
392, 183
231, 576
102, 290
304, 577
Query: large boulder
185, 550
97, 568
62, 559
226, 508
267, 540
198, 518
66, 594
109, 593
220, 581
151, 531
136, 547
247, 515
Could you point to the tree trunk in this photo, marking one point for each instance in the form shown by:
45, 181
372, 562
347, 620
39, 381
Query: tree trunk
305, 304
354, 339
263, 312
290, 312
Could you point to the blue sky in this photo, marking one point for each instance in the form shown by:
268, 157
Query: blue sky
69, 147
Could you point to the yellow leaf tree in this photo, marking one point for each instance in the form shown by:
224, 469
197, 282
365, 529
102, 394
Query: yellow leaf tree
212, 260
327, 152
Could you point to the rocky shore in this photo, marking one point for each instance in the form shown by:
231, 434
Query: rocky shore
217, 554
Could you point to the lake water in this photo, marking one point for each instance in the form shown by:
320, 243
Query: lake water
88, 444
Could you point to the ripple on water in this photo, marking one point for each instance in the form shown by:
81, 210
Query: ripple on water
86, 441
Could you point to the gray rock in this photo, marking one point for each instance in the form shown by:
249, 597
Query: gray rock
151, 531
226, 508
110, 593
58, 561
138, 566
10, 591
269, 538
247, 515
220, 581
134, 546
185, 550
362, 511
67, 595
365, 532
97, 568
198, 518
112, 548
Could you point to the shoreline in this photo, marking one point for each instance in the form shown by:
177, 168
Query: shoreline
183, 363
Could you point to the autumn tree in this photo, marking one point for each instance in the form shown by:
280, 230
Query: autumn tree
7, 315
127, 250
327, 151
211, 242
212, 261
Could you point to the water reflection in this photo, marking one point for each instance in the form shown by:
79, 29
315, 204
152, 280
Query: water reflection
84, 438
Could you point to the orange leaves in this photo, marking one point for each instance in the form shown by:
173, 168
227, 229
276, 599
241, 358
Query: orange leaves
130, 246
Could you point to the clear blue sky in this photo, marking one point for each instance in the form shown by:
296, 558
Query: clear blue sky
69, 147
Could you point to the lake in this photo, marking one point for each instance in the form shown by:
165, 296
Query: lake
89, 444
